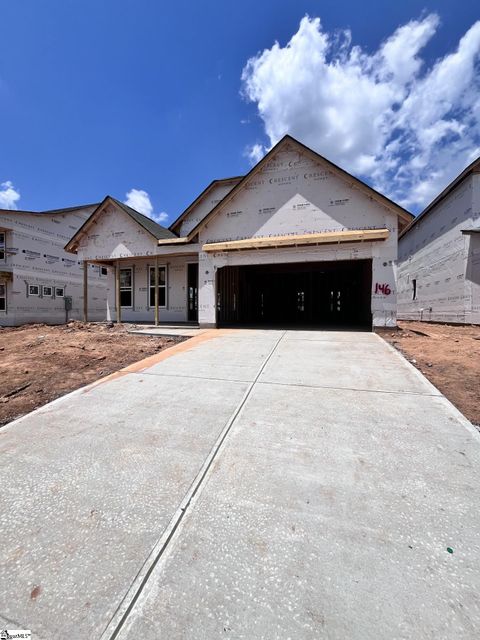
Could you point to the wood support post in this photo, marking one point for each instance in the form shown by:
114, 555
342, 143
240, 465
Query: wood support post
156, 291
118, 307
85, 290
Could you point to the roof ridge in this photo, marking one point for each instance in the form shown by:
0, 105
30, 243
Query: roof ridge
203, 193
79, 206
399, 210
19, 211
42, 212
148, 221
155, 229
453, 184
124, 204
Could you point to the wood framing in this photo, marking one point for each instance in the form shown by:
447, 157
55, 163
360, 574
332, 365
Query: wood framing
333, 237
169, 241
85, 290
6, 275
155, 280
117, 293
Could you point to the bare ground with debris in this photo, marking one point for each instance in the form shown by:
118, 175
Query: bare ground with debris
449, 356
39, 363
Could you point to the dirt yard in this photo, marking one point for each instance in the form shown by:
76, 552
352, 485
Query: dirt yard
39, 363
449, 356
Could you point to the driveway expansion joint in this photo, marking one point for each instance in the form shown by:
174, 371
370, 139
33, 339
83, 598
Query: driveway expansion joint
187, 376
359, 389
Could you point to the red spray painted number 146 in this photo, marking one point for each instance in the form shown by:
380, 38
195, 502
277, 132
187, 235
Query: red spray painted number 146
383, 288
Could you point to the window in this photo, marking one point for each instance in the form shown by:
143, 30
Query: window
414, 286
126, 289
301, 301
162, 287
2, 246
3, 297
33, 290
103, 271
47, 292
59, 292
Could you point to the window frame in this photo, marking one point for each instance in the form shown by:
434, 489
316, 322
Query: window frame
103, 271
130, 288
59, 295
30, 293
3, 247
4, 297
47, 295
151, 286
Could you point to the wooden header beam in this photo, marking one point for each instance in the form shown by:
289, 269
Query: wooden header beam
327, 237
168, 241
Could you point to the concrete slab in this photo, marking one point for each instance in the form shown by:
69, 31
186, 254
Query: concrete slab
328, 336
89, 484
330, 363
255, 484
329, 513
167, 331
229, 357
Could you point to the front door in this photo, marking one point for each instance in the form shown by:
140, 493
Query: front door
192, 291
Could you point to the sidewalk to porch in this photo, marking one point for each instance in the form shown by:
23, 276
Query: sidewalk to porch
188, 330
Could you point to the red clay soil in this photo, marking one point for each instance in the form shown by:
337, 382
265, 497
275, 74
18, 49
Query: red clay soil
39, 363
449, 356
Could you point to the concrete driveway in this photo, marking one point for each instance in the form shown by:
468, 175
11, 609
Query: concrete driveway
245, 484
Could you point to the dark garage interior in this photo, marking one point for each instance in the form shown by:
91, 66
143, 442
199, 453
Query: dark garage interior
321, 294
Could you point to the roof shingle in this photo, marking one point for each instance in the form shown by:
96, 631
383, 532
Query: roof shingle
159, 232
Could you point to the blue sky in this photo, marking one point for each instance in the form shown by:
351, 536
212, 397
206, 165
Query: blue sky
107, 96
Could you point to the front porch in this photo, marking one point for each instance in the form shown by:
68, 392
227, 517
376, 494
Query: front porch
154, 291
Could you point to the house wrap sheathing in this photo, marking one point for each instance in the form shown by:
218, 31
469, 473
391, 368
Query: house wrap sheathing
37, 276
295, 241
439, 256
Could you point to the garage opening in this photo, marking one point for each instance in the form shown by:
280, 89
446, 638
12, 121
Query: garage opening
321, 294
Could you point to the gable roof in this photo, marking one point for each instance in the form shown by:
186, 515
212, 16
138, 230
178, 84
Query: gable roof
67, 209
153, 228
402, 213
473, 167
35, 213
199, 198
157, 231
51, 211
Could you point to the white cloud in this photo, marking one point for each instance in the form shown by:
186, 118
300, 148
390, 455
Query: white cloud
9, 196
140, 201
160, 217
255, 153
384, 116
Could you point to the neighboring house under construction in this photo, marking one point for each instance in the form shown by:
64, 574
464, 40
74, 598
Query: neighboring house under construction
39, 281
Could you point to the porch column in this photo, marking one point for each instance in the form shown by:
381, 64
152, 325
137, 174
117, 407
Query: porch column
117, 293
207, 301
85, 290
156, 290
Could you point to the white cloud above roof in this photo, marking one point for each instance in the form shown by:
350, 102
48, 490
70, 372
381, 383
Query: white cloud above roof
9, 196
255, 152
386, 116
139, 200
